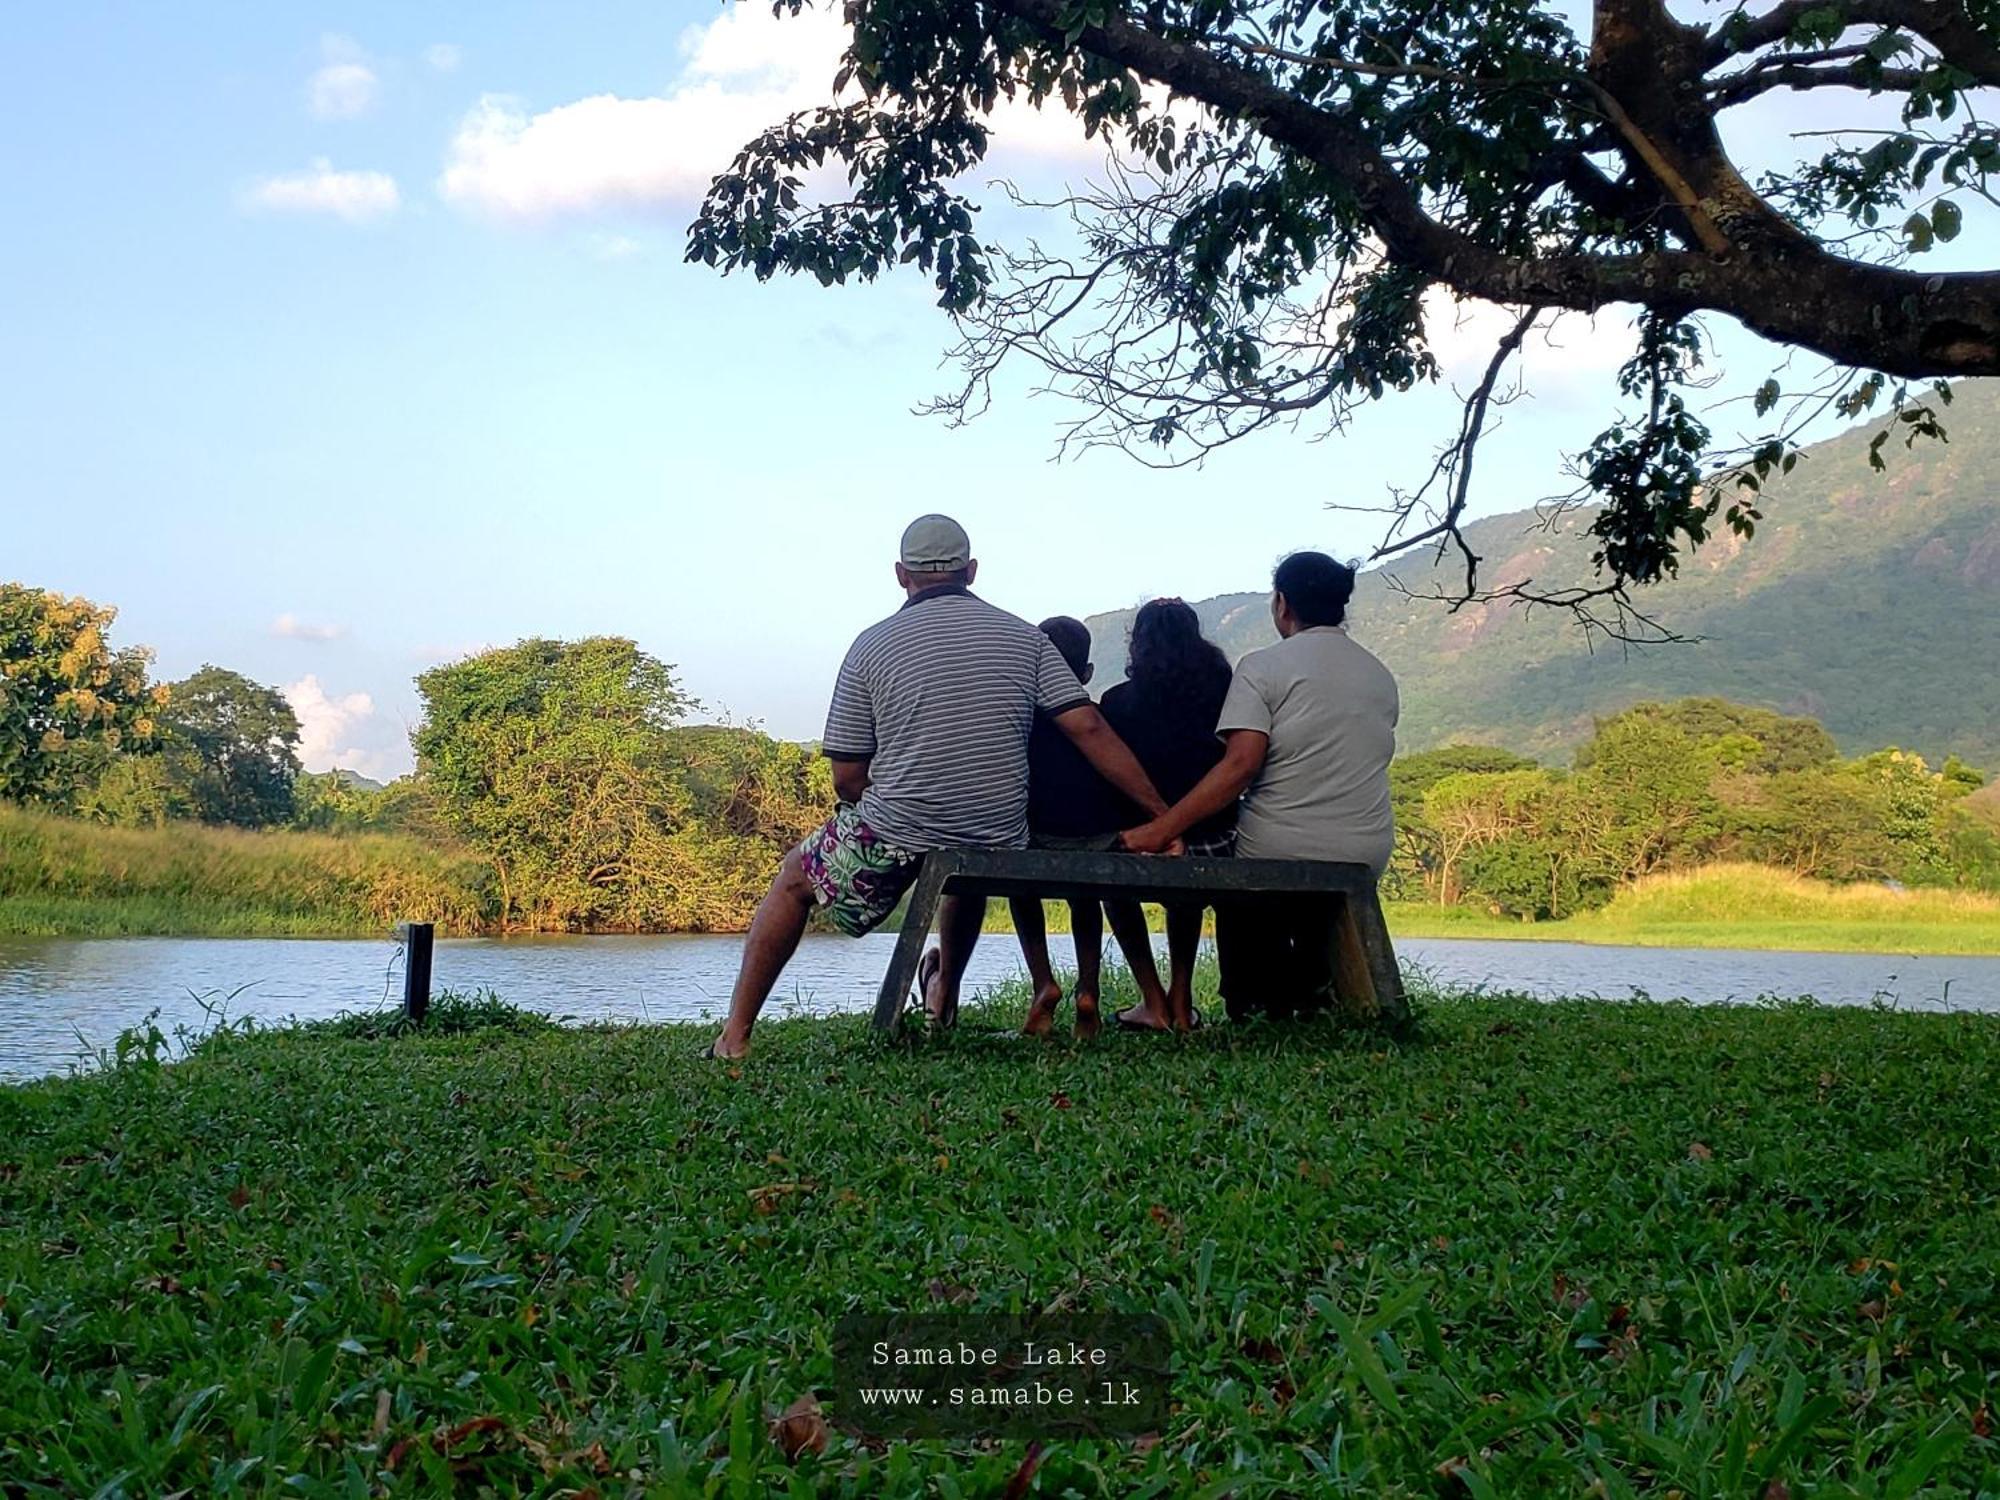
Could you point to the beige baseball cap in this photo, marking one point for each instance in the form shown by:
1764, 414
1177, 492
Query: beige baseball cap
935, 544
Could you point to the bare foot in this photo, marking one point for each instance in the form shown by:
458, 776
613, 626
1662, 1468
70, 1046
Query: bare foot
1142, 1017
1180, 1007
1042, 1010
729, 1048
1089, 1023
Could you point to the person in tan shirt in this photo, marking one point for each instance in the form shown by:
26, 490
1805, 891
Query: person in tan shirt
1309, 728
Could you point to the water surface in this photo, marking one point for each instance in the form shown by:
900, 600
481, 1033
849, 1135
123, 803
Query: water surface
60, 997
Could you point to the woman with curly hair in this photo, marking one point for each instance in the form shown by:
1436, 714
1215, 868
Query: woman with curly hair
1166, 711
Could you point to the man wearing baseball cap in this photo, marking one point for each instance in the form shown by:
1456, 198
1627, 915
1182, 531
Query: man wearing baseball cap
928, 735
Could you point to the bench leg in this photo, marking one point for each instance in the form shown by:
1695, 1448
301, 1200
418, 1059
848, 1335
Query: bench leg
1364, 962
917, 919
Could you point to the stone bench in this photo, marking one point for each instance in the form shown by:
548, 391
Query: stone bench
1366, 981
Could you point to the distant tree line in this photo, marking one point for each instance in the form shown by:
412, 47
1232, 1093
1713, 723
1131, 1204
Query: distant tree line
569, 767
1668, 786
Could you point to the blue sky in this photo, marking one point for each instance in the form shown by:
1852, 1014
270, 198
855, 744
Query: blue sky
341, 340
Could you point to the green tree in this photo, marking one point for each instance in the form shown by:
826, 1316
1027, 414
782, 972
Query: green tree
1296, 176
232, 747
1914, 799
1828, 822
1472, 811
135, 791
1744, 737
1643, 800
552, 759
326, 802
1960, 780
1413, 869
69, 703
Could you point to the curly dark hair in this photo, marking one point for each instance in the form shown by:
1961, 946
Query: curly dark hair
1173, 663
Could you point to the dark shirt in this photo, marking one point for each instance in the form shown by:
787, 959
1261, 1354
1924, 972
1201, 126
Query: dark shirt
1176, 742
1067, 799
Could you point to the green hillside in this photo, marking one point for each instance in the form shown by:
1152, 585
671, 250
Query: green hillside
1870, 601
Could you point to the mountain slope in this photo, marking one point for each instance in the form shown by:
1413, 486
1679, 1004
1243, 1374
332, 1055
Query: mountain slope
1871, 601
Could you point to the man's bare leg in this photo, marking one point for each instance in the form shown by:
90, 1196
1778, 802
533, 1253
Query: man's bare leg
959, 919
1183, 945
1032, 928
1128, 925
1086, 923
768, 946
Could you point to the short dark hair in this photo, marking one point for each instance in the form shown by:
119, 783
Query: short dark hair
1072, 640
1315, 586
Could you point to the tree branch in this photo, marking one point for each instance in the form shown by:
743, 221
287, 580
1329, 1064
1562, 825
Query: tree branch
1739, 87
1943, 23
1794, 292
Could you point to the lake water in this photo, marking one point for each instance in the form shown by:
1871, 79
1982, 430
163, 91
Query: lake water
60, 997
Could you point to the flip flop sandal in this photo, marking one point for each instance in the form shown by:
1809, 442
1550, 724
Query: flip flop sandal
927, 968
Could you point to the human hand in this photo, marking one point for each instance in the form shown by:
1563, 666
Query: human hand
1149, 838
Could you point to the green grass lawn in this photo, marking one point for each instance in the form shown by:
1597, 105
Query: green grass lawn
1545, 1249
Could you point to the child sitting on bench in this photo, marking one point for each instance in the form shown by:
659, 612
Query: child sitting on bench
1071, 807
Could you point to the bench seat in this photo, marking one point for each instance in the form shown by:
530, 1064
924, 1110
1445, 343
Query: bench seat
1367, 982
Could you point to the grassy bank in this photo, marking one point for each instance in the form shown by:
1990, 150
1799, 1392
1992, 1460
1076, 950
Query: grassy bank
1563, 1249
1750, 906
1723, 906
64, 877
61, 877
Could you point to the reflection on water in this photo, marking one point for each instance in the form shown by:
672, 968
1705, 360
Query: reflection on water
59, 996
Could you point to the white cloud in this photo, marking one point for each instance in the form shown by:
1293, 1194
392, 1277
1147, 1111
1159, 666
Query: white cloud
290, 627
740, 73
1563, 349
353, 196
443, 57
333, 731
614, 247
344, 88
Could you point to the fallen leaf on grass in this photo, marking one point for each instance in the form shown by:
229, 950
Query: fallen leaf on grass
450, 1437
1570, 1294
1872, 1309
1025, 1475
239, 1196
1777, 1489
1145, 1443
1699, 1152
1982, 1421
800, 1428
769, 1198
1060, 1100
381, 1423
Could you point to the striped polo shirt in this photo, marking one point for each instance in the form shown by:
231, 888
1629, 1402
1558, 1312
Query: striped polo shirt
939, 699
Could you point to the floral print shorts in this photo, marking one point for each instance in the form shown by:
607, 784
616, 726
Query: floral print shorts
856, 874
